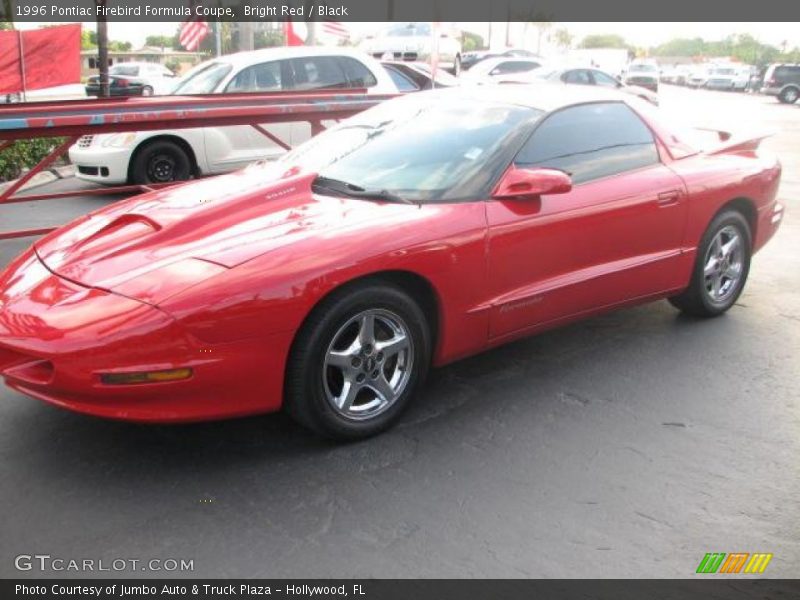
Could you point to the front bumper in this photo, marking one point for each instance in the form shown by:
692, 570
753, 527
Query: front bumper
101, 165
57, 338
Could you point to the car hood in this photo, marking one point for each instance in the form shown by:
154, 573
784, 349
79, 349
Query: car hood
156, 245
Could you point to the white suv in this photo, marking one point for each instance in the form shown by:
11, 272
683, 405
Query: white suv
174, 155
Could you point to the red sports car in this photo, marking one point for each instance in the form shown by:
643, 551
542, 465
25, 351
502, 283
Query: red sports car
426, 229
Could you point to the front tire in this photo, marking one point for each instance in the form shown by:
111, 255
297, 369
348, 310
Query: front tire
160, 161
357, 362
721, 267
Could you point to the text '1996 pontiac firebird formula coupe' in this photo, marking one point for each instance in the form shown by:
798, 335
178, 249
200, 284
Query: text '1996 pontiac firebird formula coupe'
426, 229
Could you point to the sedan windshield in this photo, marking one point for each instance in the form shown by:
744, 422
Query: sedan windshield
126, 70
417, 148
409, 30
205, 80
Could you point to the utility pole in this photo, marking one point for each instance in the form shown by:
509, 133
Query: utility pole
102, 49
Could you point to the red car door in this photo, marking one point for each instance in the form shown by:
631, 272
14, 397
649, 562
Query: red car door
615, 237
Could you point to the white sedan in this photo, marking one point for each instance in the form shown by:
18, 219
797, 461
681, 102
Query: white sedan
490, 69
175, 155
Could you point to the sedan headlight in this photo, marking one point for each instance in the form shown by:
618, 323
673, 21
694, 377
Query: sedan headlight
118, 140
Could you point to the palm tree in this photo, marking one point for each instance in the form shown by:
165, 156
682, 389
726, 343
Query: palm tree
563, 38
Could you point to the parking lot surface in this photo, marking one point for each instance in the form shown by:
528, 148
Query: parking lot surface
627, 445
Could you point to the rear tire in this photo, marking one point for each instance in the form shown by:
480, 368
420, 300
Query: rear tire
160, 161
789, 95
347, 383
721, 267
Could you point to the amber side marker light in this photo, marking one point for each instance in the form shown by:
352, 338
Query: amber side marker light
145, 377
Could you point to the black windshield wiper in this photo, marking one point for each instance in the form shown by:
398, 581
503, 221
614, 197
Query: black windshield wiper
355, 191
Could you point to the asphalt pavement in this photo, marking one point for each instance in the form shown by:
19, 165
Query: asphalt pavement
627, 445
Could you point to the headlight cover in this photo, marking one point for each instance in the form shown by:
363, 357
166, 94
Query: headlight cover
118, 140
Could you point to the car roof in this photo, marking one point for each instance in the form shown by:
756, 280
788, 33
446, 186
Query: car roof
241, 59
542, 96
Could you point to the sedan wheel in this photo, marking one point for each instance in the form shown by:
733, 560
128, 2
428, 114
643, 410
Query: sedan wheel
721, 267
160, 161
357, 361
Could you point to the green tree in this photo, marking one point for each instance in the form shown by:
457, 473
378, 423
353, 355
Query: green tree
162, 41
563, 38
88, 39
471, 41
267, 39
605, 40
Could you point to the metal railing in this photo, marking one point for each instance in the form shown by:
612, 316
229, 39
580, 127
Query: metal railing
73, 119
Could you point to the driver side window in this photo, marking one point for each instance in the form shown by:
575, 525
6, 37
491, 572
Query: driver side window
590, 141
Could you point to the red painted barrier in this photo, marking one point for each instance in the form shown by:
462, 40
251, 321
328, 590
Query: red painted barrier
74, 118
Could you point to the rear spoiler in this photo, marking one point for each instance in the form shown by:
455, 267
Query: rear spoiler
730, 143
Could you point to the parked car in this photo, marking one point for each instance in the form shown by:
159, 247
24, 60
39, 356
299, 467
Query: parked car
502, 66
135, 79
470, 59
698, 76
728, 77
175, 155
414, 77
581, 76
783, 81
429, 228
642, 74
415, 42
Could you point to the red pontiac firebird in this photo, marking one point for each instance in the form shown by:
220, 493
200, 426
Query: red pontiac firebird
426, 229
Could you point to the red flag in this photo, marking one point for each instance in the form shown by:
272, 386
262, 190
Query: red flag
51, 56
292, 39
192, 33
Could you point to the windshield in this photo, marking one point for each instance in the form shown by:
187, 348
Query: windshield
643, 68
409, 30
419, 149
129, 70
205, 80
723, 72
442, 77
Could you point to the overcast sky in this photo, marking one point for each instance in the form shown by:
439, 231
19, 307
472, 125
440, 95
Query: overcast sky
639, 34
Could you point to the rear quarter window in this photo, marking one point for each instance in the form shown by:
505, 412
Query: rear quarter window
358, 75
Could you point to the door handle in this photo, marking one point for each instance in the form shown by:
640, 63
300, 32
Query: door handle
668, 198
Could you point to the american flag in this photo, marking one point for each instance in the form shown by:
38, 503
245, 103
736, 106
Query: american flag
336, 29
192, 33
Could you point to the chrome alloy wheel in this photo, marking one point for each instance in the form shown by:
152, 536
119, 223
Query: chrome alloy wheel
724, 264
368, 364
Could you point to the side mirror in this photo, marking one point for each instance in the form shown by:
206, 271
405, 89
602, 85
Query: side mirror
531, 183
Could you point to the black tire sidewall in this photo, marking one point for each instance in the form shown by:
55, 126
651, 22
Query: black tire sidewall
722, 220
143, 154
305, 395
784, 98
